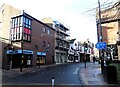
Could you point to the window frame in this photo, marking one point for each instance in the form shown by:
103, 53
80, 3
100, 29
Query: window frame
18, 26
44, 29
49, 31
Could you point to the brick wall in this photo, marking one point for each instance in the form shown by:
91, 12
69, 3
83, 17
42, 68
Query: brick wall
37, 38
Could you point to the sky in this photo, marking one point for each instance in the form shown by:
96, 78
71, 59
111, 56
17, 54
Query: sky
74, 13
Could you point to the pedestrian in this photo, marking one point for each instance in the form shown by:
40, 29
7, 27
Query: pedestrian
94, 59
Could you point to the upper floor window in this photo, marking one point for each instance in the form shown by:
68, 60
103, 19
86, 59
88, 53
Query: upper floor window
49, 32
43, 44
3, 11
27, 22
21, 27
48, 45
44, 29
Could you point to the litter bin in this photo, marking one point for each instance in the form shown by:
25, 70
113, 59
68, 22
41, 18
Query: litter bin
110, 74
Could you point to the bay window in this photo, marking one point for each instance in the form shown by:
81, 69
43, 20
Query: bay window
21, 28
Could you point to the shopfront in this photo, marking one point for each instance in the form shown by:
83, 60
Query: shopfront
16, 58
71, 58
41, 58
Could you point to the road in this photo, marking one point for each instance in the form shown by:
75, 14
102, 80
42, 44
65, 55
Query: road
64, 74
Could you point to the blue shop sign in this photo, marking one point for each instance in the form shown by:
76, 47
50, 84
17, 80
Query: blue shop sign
41, 53
19, 52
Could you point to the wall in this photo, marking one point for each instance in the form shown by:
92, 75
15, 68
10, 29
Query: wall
6, 12
118, 52
37, 39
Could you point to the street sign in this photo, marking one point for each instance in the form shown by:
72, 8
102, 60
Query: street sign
101, 45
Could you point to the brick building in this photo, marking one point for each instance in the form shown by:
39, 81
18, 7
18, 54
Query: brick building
110, 22
29, 41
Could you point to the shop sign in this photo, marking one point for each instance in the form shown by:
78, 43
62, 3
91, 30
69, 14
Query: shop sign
41, 53
19, 52
11, 52
25, 51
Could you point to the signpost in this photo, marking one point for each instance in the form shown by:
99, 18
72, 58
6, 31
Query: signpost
101, 45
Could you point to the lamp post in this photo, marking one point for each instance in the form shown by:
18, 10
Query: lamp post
11, 56
22, 41
101, 39
85, 49
22, 56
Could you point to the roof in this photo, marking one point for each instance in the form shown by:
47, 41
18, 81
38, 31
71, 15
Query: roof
113, 14
50, 20
47, 20
72, 40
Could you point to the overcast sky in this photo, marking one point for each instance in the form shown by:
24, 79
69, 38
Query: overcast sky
71, 12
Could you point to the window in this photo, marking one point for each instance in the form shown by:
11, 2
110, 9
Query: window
17, 28
48, 45
3, 11
16, 22
44, 29
49, 31
43, 44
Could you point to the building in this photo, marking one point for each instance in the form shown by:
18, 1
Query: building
81, 50
85, 50
29, 41
110, 22
6, 11
71, 51
61, 40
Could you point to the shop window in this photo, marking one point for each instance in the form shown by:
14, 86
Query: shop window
48, 45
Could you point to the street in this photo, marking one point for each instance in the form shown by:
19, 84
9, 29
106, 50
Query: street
65, 74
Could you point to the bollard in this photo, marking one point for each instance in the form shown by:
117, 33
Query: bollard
53, 81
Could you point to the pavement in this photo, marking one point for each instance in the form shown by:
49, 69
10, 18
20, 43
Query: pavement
91, 75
